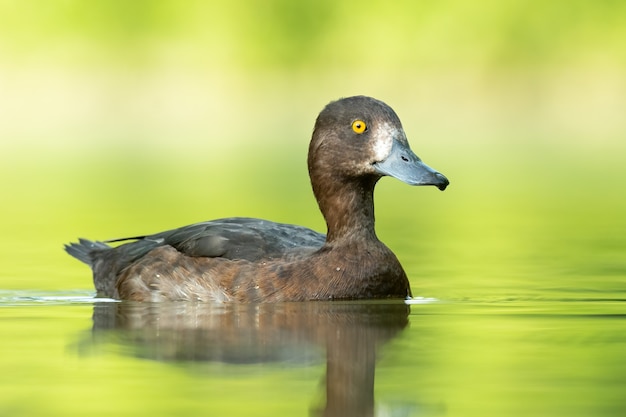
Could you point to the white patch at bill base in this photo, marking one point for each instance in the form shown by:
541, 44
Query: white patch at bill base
383, 139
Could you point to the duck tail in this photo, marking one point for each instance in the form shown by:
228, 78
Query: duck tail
86, 250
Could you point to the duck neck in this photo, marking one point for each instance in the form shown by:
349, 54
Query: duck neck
348, 208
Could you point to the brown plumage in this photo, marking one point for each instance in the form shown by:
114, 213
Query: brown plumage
355, 142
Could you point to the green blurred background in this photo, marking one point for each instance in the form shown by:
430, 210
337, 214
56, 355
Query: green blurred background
124, 117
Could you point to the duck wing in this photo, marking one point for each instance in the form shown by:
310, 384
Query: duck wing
239, 238
231, 238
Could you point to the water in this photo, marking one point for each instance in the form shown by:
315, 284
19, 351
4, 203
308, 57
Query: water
77, 355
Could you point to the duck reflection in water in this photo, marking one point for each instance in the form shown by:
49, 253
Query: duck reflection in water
350, 333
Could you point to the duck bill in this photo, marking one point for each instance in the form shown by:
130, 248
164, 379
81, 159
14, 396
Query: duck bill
403, 164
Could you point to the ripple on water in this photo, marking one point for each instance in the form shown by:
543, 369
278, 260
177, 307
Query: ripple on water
31, 297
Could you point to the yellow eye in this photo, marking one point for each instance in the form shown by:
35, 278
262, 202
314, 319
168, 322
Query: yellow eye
359, 126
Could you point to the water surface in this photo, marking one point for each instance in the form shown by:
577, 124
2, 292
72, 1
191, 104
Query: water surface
78, 355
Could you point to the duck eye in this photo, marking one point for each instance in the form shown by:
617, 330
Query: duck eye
359, 126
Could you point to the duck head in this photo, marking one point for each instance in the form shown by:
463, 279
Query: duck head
361, 137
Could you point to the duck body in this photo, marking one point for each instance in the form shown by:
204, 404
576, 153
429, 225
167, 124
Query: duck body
355, 142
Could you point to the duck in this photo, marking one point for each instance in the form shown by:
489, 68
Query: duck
355, 142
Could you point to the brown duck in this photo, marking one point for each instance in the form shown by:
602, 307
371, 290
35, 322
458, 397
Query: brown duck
355, 142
